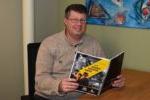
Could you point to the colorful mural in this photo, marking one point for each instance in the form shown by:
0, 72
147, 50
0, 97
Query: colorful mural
128, 13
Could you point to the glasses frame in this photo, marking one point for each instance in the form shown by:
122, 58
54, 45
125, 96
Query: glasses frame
73, 20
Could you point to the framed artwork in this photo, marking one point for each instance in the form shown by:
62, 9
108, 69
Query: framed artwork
126, 13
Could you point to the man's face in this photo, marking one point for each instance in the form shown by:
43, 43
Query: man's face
75, 23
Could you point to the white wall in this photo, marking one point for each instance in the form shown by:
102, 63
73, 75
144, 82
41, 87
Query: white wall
46, 18
11, 65
11, 43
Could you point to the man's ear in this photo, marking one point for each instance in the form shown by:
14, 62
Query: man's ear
65, 21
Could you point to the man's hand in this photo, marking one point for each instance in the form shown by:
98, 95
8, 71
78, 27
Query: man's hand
68, 85
119, 81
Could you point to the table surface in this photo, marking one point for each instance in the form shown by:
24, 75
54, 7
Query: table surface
137, 87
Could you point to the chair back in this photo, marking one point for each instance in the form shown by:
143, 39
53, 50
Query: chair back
32, 54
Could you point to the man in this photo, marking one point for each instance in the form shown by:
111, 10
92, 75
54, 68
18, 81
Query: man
56, 53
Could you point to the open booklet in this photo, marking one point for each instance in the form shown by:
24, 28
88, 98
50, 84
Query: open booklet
95, 74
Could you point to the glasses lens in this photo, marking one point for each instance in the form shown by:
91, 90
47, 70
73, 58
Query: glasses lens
77, 20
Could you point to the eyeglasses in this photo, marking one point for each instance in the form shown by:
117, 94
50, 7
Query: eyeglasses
83, 21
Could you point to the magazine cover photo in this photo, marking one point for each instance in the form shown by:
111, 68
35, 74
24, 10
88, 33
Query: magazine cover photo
90, 72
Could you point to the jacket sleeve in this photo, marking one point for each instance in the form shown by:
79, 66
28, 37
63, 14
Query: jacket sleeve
98, 49
44, 82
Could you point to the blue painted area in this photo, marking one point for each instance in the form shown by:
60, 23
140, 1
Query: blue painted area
130, 14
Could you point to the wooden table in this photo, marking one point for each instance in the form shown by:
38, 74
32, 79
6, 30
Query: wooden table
137, 87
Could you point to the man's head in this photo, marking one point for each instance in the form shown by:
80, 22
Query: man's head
77, 8
75, 20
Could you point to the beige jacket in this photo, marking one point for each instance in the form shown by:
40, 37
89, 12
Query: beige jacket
55, 58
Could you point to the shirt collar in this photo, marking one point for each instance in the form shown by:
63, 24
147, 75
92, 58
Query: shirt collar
73, 44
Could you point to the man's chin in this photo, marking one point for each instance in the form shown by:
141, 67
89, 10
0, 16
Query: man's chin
78, 33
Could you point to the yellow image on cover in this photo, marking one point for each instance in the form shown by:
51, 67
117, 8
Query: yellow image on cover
95, 68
